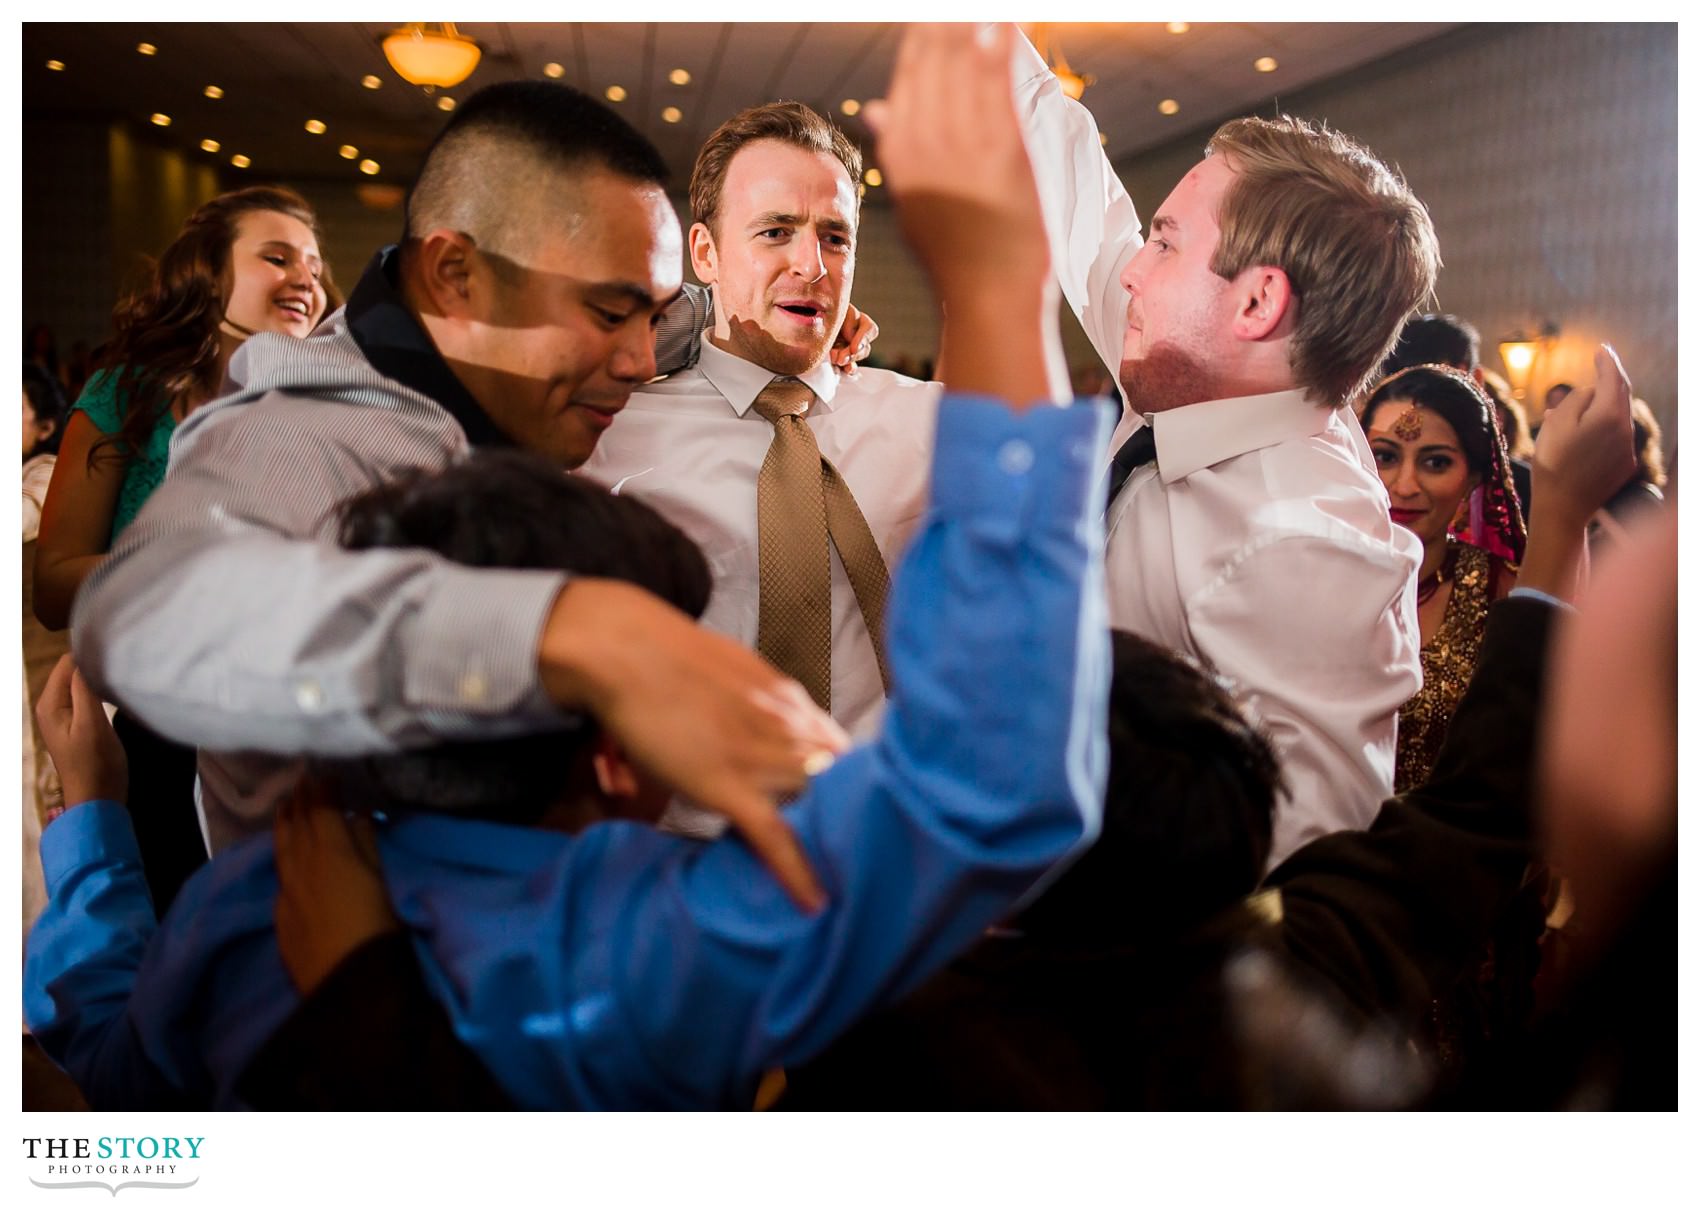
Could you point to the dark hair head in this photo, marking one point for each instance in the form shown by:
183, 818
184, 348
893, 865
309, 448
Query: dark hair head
47, 402
512, 510
1436, 337
788, 122
165, 345
1188, 811
1456, 397
504, 152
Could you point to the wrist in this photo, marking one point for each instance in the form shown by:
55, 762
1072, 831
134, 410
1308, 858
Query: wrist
578, 653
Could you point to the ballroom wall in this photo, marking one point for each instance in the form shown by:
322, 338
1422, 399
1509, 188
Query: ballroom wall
1546, 154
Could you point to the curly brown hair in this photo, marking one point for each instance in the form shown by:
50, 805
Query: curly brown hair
165, 344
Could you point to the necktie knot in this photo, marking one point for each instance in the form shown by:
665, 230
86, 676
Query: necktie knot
784, 397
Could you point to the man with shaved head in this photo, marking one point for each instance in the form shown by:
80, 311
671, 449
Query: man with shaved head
520, 310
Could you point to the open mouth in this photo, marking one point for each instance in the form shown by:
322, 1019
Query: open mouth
803, 311
295, 307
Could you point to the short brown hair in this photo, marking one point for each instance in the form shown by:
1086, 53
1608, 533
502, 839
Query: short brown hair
789, 122
1355, 243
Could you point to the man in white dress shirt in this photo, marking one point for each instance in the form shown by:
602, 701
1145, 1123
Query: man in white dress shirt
1276, 277
775, 204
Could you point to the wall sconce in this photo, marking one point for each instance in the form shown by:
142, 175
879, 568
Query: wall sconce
431, 54
1519, 352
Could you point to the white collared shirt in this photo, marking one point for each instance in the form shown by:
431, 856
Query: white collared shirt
1261, 540
692, 446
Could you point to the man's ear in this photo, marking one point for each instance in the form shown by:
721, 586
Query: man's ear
705, 260
1265, 304
443, 261
615, 778
1479, 374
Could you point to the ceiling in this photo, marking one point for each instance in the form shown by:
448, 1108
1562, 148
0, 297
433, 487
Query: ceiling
277, 76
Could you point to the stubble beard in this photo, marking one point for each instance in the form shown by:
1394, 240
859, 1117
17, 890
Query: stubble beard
750, 341
1167, 378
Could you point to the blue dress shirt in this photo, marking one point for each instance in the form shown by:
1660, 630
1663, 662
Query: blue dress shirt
621, 967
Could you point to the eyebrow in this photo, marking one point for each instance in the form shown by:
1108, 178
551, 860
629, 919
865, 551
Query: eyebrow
1164, 223
631, 291
781, 219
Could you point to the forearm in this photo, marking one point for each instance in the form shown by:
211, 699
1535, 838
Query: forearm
988, 770
1089, 219
57, 580
1555, 557
85, 950
259, 641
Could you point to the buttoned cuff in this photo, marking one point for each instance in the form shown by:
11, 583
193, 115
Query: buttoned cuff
1005, 473
473, 647
93, 832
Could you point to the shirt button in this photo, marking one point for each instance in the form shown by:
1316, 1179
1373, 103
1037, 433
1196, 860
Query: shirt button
473, 687
308, 696
1015, 457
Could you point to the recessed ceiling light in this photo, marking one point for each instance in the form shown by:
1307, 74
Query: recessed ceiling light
209, 145
1103, 139
348, 151
146, 48
371, 82
678, 76
850, 108
315, 127
55, 65
1178, 27
874, 177
1168, 105
445, 103
554, 71
369, 167
160, 119
213, 91
240, 161
614, 93
1266, 64
672, 114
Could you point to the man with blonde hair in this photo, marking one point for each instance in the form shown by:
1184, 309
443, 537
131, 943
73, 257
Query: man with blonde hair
1246, 525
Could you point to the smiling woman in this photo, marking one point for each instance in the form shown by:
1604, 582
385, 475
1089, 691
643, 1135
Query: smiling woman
246, 262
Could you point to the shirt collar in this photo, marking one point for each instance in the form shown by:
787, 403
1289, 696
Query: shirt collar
1197, 436
396, 345
741, 381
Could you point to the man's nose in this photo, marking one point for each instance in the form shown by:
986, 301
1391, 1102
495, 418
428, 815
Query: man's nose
634, 355
806, 260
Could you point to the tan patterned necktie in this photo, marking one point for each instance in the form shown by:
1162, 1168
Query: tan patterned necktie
801, 500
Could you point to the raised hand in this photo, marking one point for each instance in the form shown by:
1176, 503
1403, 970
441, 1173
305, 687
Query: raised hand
953, 155
1586, 448
1585, 453
701, 713
79, 737
330, 896
856, 339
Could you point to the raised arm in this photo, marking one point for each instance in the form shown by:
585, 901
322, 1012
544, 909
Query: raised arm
1089, 218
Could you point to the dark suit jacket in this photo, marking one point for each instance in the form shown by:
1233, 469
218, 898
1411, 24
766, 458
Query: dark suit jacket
1380, 918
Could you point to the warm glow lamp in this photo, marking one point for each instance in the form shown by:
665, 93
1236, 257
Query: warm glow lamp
431, 54
1518, 353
